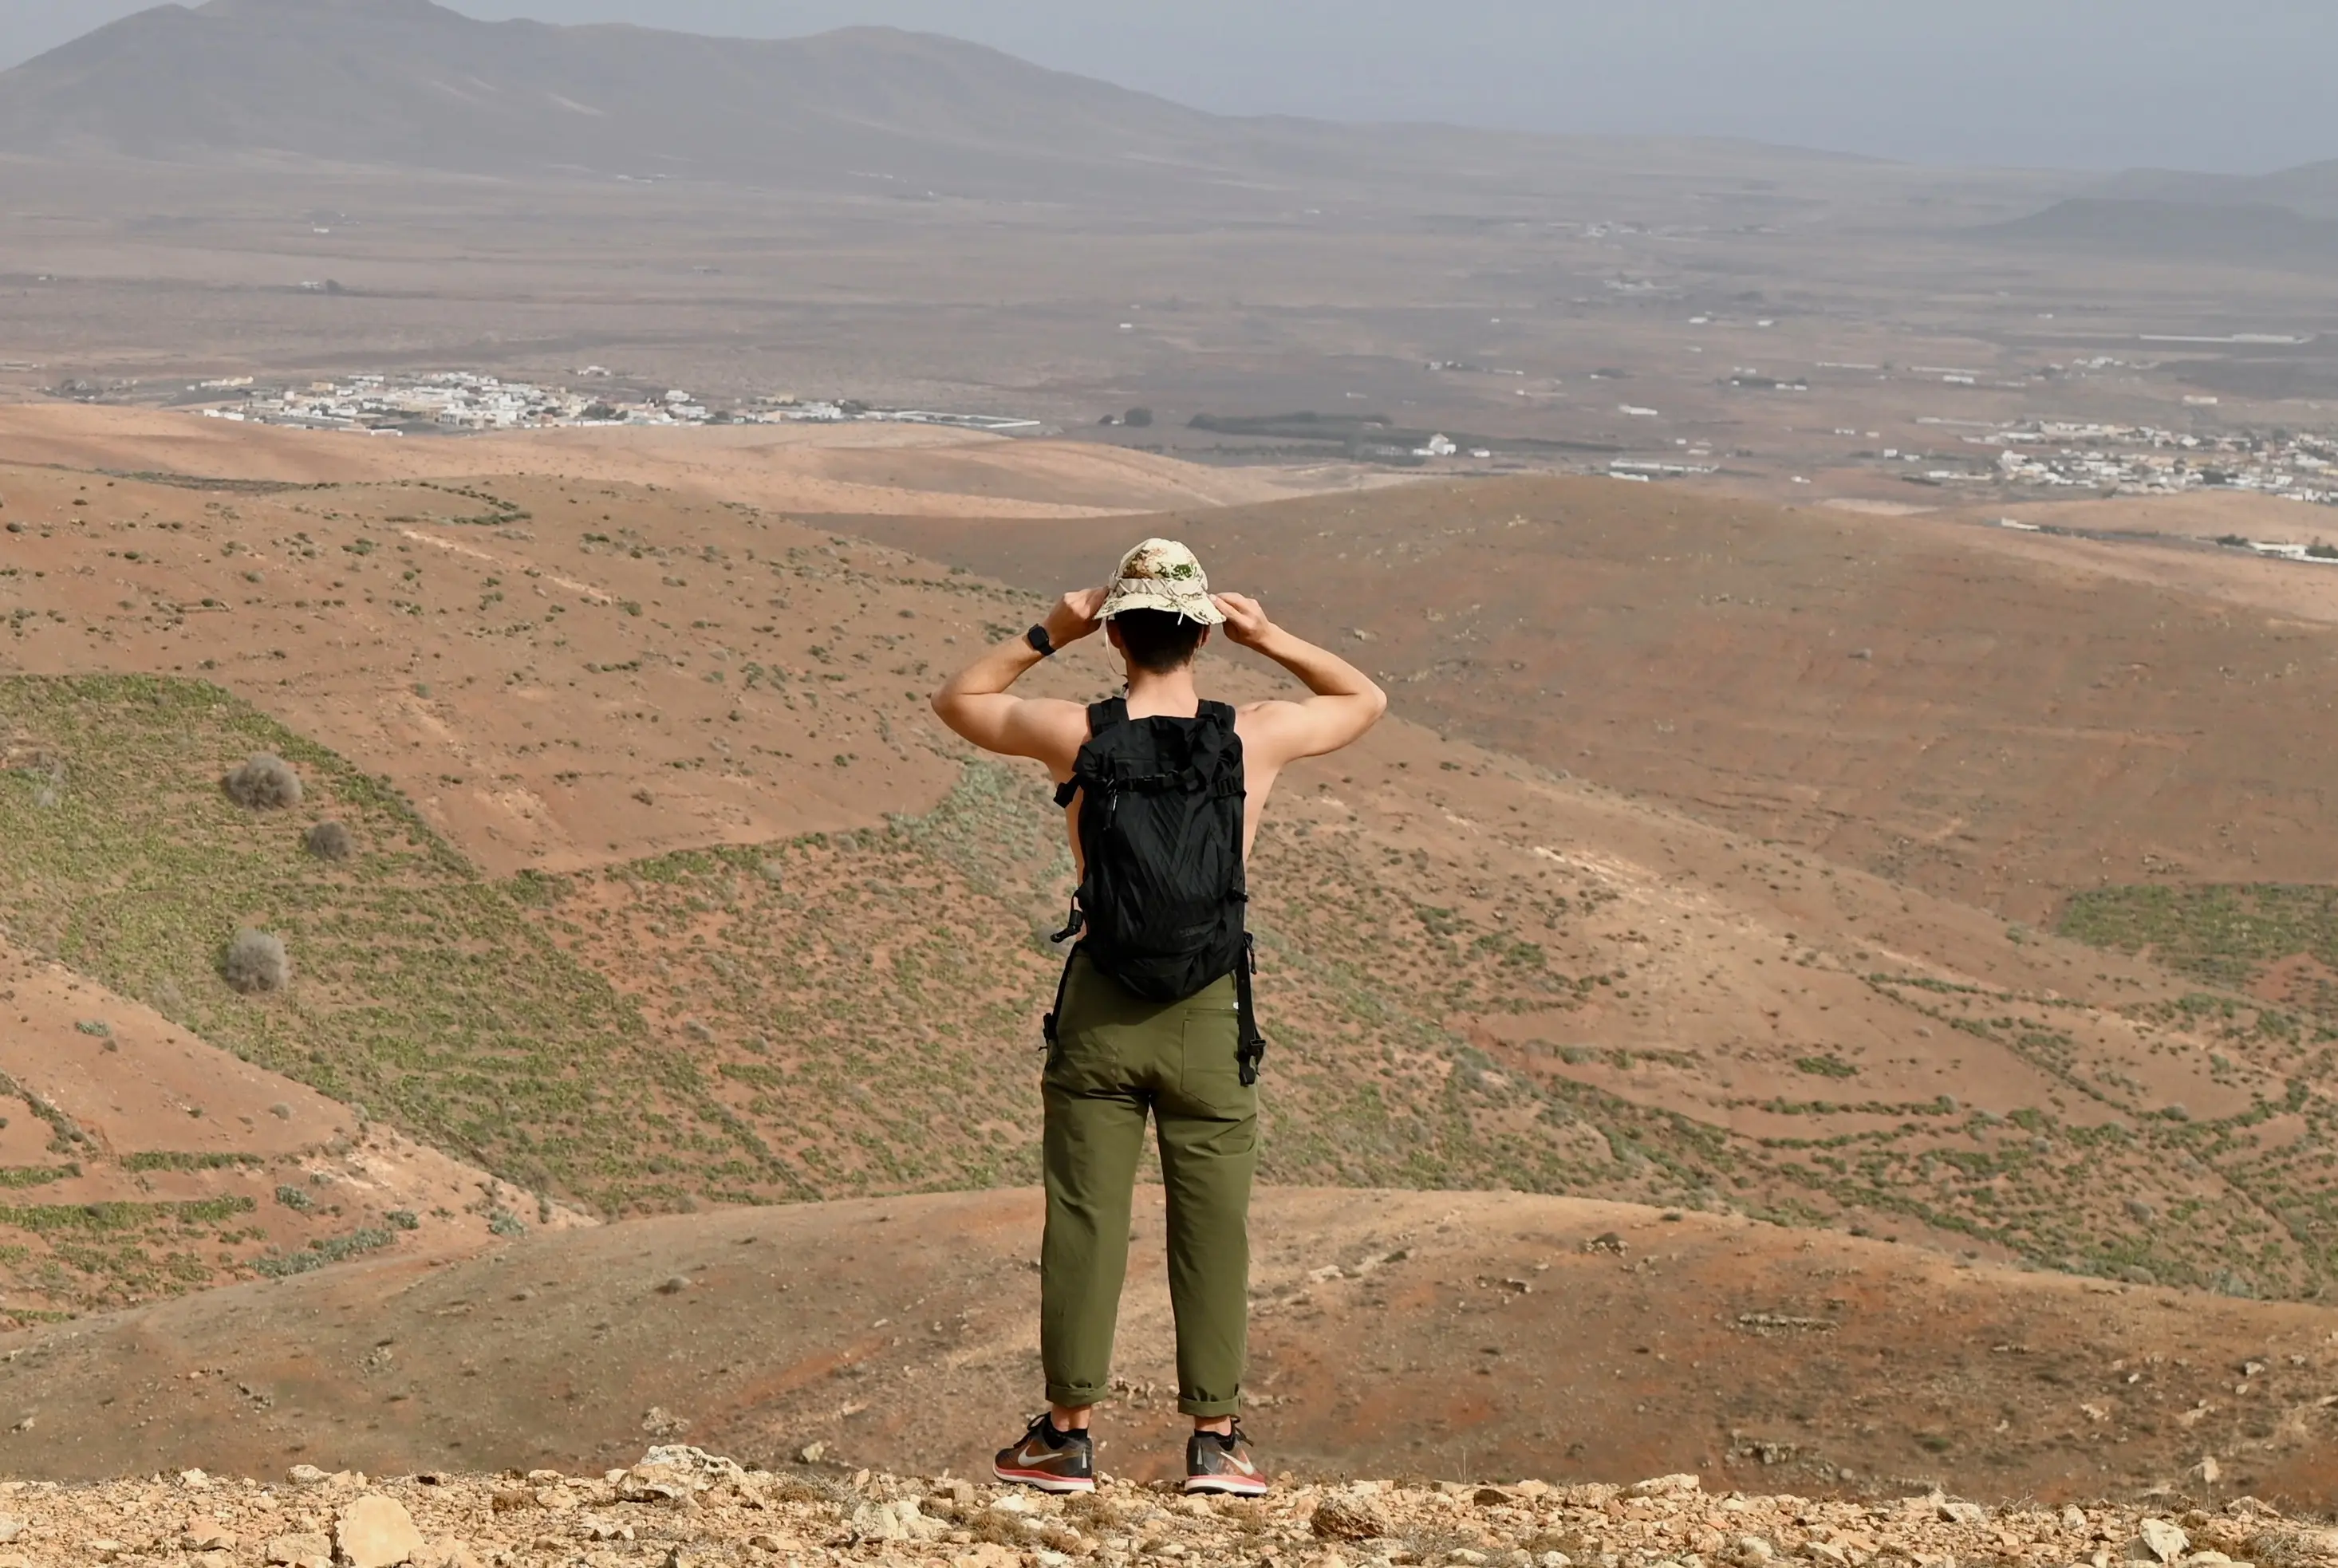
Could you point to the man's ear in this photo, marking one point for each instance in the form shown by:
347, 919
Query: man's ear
1112, 635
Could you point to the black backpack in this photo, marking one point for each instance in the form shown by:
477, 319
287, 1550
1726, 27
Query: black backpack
1161, 901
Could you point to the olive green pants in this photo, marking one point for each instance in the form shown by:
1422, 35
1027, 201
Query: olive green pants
1117, 1057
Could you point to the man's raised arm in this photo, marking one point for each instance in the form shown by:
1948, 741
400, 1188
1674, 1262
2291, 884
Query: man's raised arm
976, 702
1346, 701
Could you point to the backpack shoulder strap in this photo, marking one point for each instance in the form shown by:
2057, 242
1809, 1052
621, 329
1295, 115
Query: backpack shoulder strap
1108, 714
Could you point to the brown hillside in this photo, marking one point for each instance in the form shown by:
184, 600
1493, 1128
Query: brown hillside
138, 1160
2001, 728
1397, 1333
1482, 975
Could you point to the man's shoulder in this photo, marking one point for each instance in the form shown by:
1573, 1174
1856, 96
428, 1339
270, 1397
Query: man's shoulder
1266, 726
1050, 731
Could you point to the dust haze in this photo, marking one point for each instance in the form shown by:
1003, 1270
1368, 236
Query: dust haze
1825, 984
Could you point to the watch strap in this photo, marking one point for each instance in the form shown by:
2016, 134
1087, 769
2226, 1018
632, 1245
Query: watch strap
1041, 643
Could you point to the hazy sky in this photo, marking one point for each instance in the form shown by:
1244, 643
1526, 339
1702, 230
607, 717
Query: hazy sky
2239, 86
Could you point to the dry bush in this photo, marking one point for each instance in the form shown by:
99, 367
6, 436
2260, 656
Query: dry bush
330, 841
264, 782
2286, 1546
256, 964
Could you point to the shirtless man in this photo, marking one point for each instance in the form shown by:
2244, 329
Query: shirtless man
1118, 1053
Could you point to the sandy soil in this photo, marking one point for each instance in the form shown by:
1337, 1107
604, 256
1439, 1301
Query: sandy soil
110, 1103
887, 468
1546, 1336
1994, 717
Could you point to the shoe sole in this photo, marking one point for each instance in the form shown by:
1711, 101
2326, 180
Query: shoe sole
1060, 1485
1225, 1485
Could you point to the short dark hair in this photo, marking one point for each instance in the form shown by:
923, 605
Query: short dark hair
1158, 641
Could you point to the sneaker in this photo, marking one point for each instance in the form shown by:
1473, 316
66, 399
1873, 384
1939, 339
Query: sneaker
1223, 1464
1050, 1460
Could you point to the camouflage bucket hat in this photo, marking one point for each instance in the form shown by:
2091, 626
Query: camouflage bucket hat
1162, 574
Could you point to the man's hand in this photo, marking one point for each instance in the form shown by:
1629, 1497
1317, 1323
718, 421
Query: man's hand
1075, 616
1345, 703
1246, 622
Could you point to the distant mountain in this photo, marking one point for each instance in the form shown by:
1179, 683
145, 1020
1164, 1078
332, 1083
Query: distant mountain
2245, 232
2311, 189
409, 84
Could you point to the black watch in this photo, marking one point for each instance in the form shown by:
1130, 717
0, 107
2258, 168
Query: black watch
1041, 643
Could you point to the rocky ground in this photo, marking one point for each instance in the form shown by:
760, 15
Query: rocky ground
680, 1507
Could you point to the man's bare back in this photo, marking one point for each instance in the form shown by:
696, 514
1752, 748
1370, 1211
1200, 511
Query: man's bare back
1343, 705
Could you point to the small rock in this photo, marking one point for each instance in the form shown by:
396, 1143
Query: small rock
1827, 1553
762, 1542
2158, 1541
207, 1535
305, 1475
648, 1482
900, 1520
300, 1552
1349, 1517
1960, 1512
105, 1549
1666, 1486
813, 1453
447, 1551
210, 1560
376, 1531
985, 1554
194, 1481
1465, 1557
10, 1528
1753, 1549
2074, 1520
1554, 1559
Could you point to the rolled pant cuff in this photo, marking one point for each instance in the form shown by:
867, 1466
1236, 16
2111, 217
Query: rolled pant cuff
1209, 1409
1071, 1397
